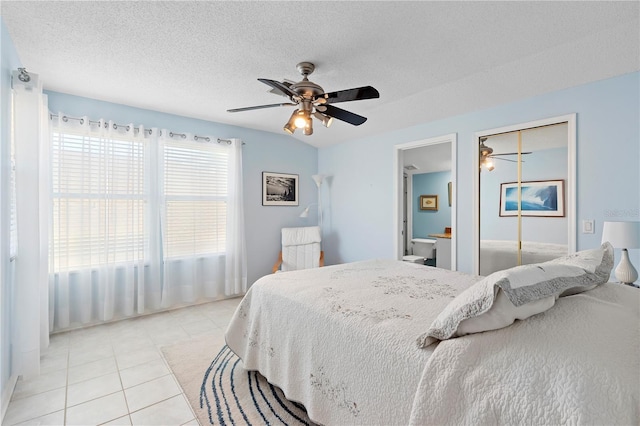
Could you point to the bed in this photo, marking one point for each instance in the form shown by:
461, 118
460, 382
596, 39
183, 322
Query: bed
496, 255
348, 342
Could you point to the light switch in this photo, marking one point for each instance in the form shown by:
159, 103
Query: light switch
588, 226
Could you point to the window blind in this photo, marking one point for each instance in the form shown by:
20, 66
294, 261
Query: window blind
98, 201
195, 194
101, 190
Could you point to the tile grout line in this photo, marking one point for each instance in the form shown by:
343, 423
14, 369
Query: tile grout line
124, 394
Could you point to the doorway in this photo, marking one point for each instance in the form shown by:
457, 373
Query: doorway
413, 162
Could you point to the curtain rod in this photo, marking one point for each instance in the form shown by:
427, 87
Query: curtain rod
115, 126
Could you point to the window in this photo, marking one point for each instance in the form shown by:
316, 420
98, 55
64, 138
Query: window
98, 201
103, 196
195, 191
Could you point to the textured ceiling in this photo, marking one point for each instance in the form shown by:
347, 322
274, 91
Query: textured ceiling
428, 60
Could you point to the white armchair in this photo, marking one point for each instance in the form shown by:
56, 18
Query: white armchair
300, 249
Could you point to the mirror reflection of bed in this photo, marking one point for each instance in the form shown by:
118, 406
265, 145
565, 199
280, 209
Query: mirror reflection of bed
541, 232
498, 255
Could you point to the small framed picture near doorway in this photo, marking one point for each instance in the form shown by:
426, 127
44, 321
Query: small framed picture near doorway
279, 189
429, 202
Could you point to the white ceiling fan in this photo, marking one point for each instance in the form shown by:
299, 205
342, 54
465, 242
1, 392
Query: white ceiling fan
487, 156
313, 101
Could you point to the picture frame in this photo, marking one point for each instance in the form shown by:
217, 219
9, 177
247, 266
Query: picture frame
429, 202
279, 189
540, 198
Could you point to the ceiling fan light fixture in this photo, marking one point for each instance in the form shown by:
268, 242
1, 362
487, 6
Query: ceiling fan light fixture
290, 127
308, 129
488, 164
302, 119
324, 119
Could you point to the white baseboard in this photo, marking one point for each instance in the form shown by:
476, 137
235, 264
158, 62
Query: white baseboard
7, 392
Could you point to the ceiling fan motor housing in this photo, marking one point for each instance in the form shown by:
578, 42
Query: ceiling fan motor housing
485, 150
307, 89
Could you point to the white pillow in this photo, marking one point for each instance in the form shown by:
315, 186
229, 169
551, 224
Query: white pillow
529, 289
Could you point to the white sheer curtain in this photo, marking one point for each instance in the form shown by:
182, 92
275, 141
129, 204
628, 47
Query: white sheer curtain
30, 137
193, 204
143, 220
236, 255
98, 209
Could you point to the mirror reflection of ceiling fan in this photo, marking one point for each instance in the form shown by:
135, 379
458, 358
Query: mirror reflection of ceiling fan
312, 101
487, 156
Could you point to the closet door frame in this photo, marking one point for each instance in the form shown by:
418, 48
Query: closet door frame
570, 187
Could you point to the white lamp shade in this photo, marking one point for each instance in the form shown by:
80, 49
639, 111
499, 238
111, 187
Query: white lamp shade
318, 179
622, 234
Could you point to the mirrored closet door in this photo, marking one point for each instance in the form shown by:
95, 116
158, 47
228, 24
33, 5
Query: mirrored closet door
523, 215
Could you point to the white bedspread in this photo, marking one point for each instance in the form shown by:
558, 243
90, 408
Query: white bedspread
342, 339
577, 363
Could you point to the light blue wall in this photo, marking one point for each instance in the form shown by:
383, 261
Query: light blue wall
608, 152
263, 151
548, 164
9, 61
425, 222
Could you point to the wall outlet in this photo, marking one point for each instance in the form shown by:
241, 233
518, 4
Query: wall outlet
588, 226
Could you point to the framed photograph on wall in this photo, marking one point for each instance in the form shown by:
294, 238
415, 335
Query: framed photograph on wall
544, 198
428, 202
279, 189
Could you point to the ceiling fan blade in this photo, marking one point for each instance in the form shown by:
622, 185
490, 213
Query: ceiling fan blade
356, 94
506, 159
260, 107
279, 86
344, 115
510, 153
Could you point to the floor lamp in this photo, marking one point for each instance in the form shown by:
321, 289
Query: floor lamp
318, 180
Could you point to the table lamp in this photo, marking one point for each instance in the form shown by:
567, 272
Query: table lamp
623, 235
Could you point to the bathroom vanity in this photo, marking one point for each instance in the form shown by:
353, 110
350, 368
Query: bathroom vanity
443, 250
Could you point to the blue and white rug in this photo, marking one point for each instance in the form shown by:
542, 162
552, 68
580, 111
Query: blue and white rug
222, 392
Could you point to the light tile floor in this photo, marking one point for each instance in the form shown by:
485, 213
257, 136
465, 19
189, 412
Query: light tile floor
114, 374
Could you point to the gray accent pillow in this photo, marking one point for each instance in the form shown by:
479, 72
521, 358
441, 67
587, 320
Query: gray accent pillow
522, 285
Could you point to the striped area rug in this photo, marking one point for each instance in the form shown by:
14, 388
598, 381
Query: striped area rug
229, 392
222, 392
